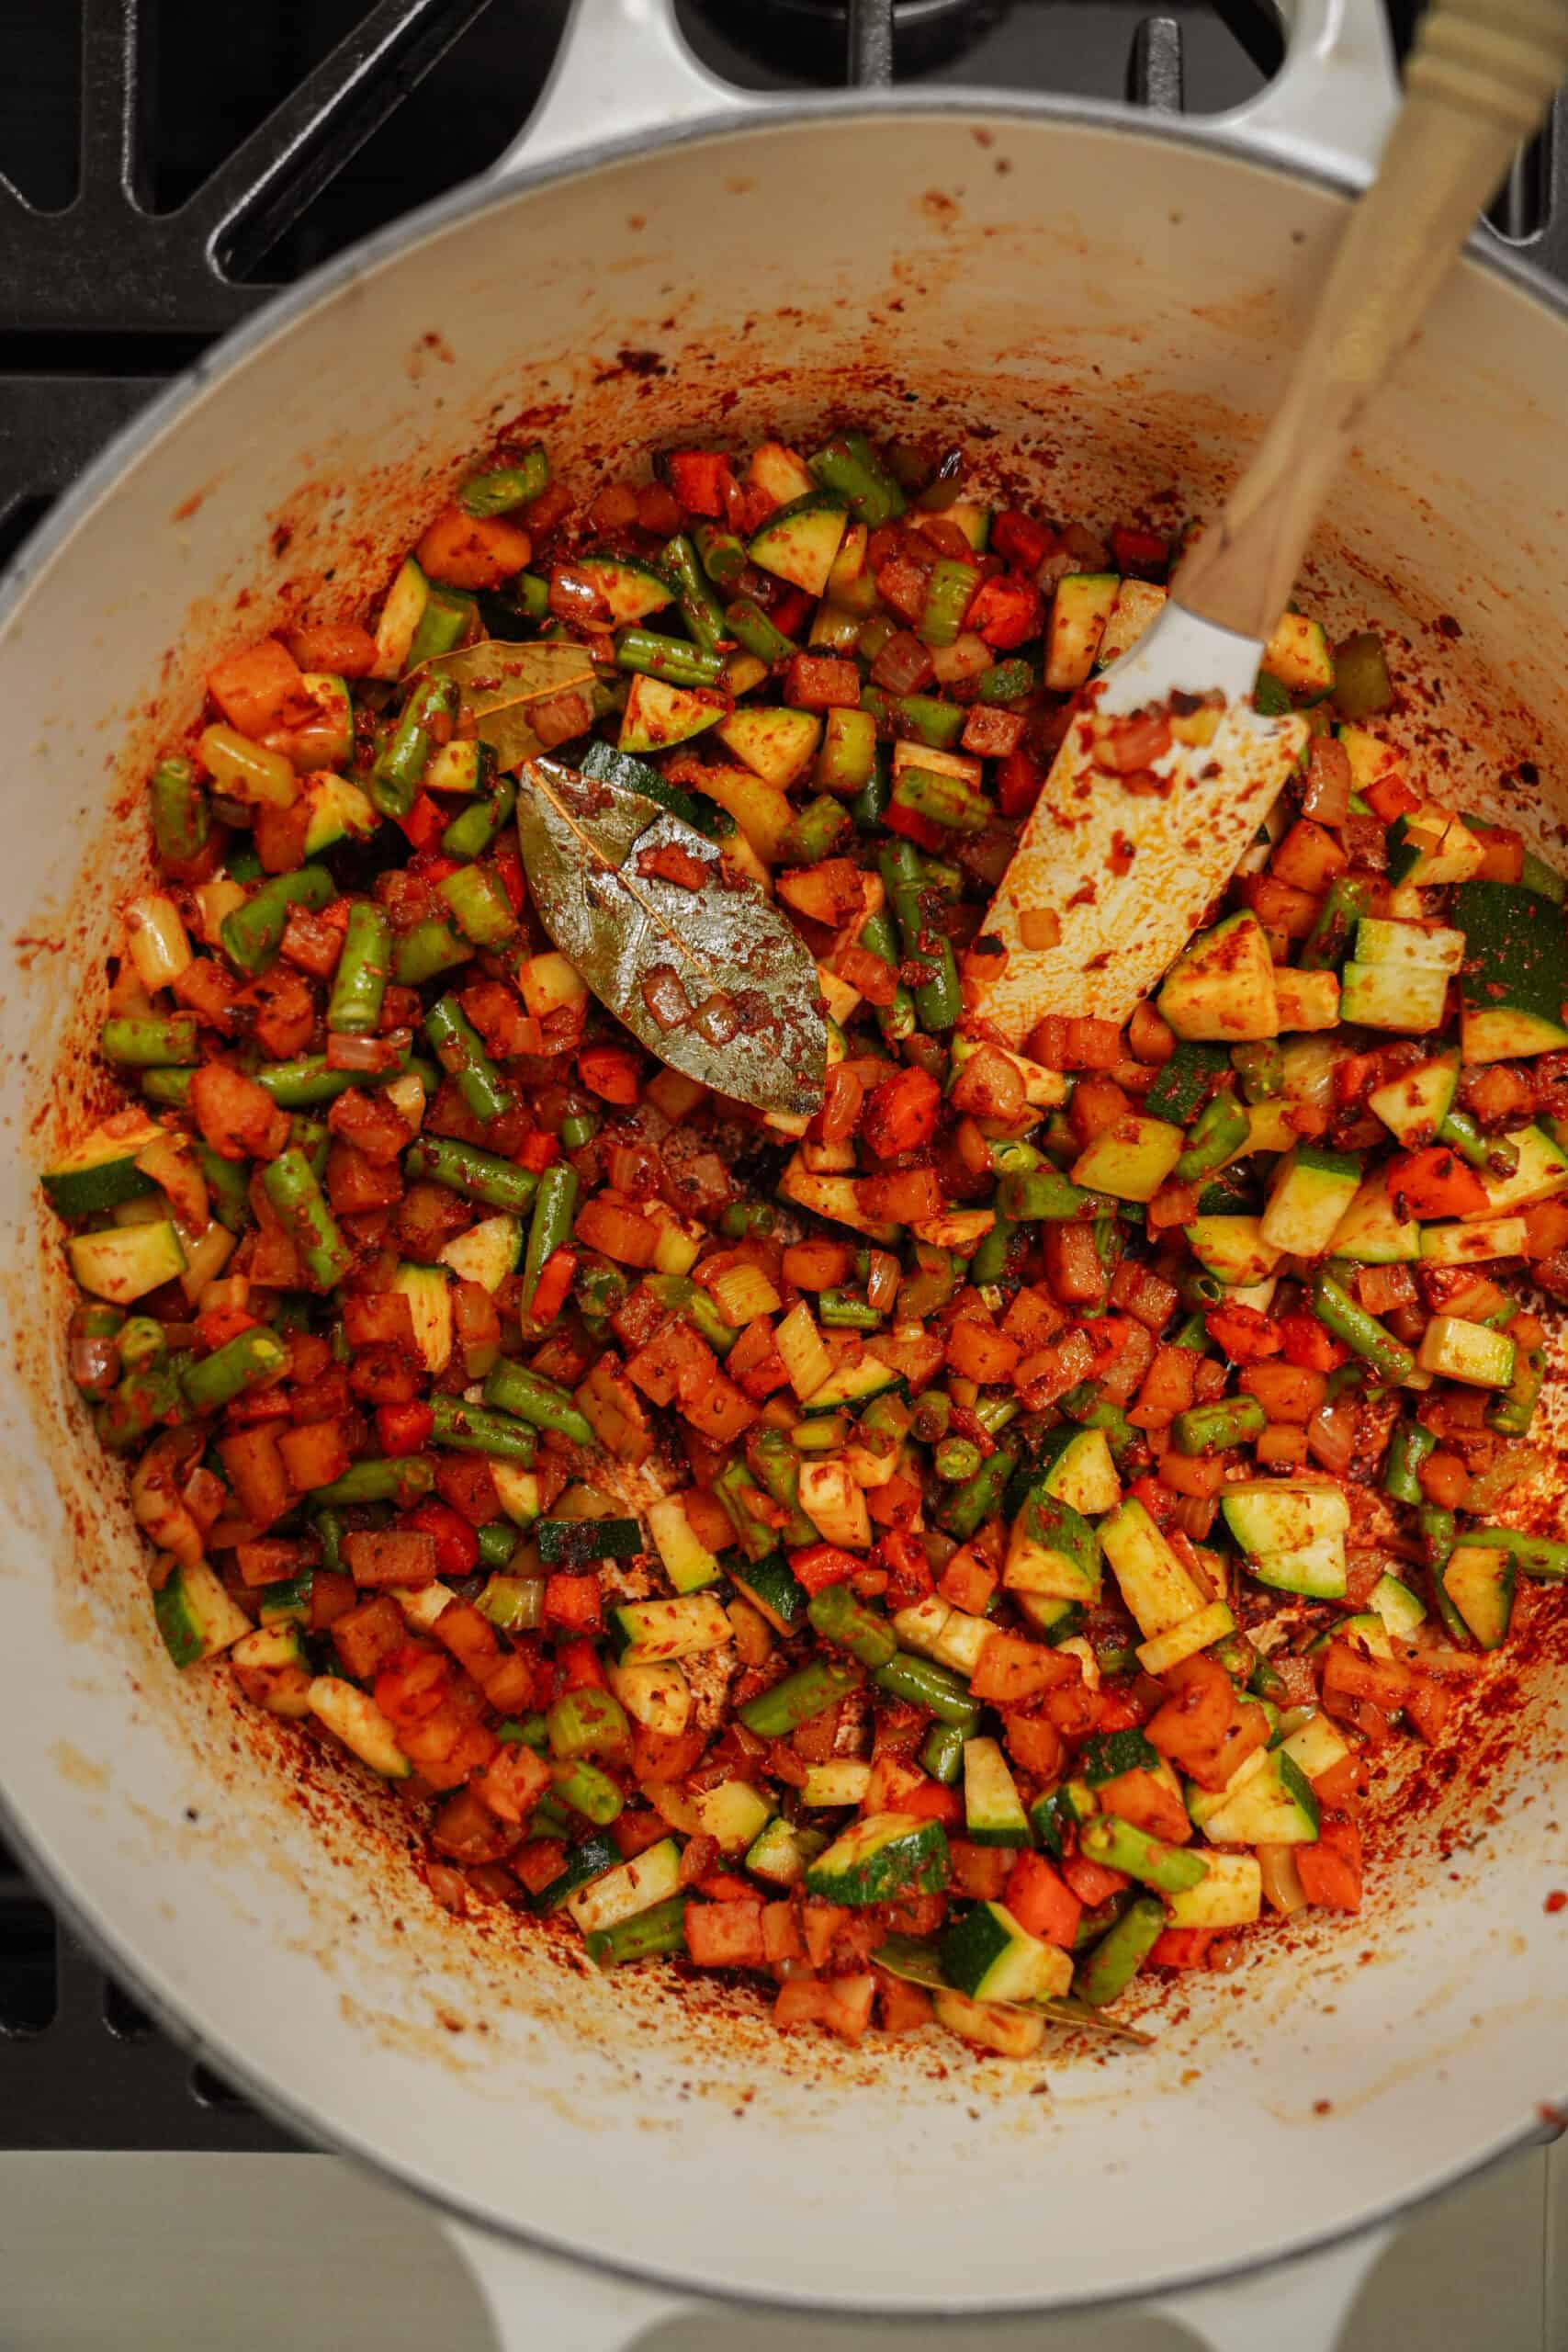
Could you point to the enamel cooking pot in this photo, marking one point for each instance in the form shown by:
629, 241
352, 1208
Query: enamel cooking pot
1101, 305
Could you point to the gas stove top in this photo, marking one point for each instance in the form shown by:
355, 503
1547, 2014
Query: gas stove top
160, 172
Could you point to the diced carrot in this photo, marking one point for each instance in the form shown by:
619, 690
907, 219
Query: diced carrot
403, 1429
260, 688
1010, 1667
573, 1600
1244, 1333
978, 1352
932, 1802
1182, 1948
817, 1565
554, 1283
1042, 1901
539, 1152
1330, 1868
903, 2008
699, 478
466, 551
611, 1072
979, 1871
902, 1113
1145, 1801
1019, 539
1092, 1881
1006, 611
1020, 781
1437, 1182
1034, 1742
1307, 1343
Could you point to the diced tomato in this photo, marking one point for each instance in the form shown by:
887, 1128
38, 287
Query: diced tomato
1119, 1711
537, 1151
425, 823
403, 1429
1040, 1900
580, 1666
571, 1600
700, 478
1143, 553
922, 830
909, 1577
1181, 1947
789, 610
457, 1545
817, 1565
1156, 1498
611, 1072
1245, 1335
221, 1324
1019, 782
1007, 612
1308, 1344
1092, 1881
1019, 539
1437, 1182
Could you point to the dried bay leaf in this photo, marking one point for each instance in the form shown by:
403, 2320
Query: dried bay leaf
500, 682
714, 979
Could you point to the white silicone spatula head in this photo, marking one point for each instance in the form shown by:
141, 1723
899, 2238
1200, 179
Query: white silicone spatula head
1136, 832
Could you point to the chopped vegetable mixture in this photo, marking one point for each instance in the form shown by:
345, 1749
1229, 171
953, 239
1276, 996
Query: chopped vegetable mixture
946, 1553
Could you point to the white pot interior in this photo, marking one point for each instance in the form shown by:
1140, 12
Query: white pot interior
1109, 310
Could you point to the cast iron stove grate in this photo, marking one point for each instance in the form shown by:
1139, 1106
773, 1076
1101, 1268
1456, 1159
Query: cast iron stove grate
215, 154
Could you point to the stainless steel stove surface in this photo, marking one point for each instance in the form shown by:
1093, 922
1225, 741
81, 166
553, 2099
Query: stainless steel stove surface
163, 165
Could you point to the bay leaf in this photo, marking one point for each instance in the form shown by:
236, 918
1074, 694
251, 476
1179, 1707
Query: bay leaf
500, 683
918, 1963
731, 976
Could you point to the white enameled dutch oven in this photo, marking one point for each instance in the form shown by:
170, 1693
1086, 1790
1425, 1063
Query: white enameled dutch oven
1101, 304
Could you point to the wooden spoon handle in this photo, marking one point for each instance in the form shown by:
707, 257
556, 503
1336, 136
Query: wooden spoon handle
1477, 84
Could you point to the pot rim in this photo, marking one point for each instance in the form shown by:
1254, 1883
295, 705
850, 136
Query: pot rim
1227, 139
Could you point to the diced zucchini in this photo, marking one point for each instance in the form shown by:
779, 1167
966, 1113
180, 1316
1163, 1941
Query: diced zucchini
1298, 655
986, 1956
194, 1615
100, 1172
778, 744
519, 1490
353, 1716
770, 1586
951, 1637
1154, 1584
1315, 1746
1316, 1569
631, 590
1516, 971
1474, 1244
429, 1293
1184, 1641
462, 766
781, 472
842, 1779
1431, 845
851, 1387
1204, 1803
651, 1877
1232, 1248
1223, 985
835, 1197
1453, 1349
1413, 1105
1310, 1192
401, 617
1052, 1550
642, 1633
1131, 1159
688, 1564
128, 1260
1274, 1806
1138, 606
1397, 1606
1479, 1579
734, 1812
1372, 1232
1043, 1087
1414, 946
885, 1856
487, 1252
339, 811
1008, 2032
800, 542
1075, 1466
1542, 1172
781, 1852
1080, 611
659, 1697
1409, 998
993, 1810
659, 714
1270, 1515
1229, 1895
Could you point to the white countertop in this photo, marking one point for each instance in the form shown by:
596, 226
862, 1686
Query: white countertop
252, 2254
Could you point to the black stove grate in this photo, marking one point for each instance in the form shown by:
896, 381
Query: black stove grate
219, 153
